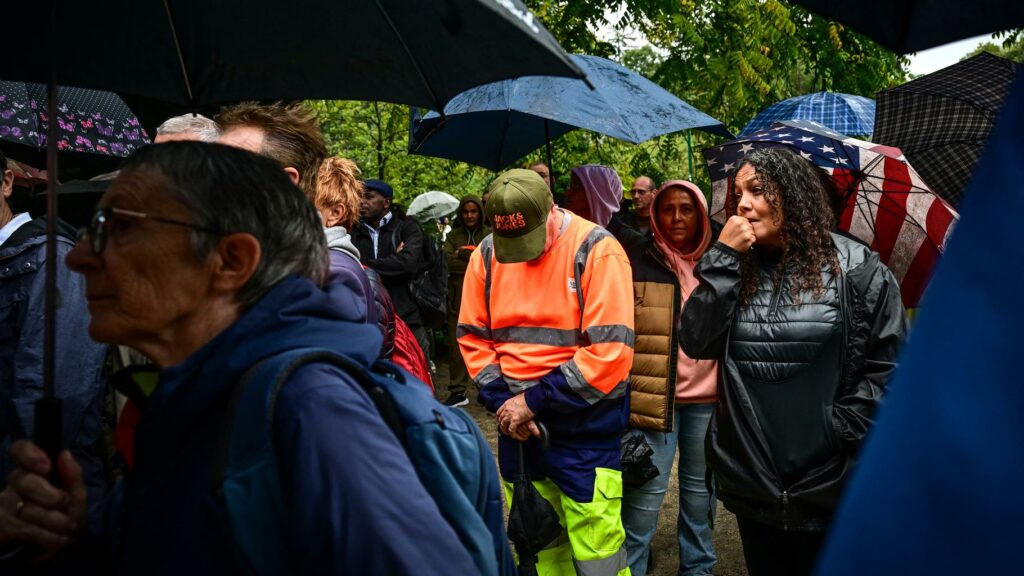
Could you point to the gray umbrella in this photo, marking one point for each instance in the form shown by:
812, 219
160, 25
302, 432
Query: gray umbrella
941, 121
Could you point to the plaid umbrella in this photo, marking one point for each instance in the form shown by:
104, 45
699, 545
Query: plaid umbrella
941, 121
887, 205
90, 120
844, 113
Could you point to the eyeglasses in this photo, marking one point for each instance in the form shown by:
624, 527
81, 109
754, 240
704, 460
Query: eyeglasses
97, 231
641, 191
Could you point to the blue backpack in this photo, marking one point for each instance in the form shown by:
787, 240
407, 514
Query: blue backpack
447, 449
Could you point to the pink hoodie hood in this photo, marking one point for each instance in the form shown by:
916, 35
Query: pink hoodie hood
696, 380
604, 191
683, 264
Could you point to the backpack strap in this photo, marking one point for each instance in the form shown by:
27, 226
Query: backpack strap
246, 476
270, 374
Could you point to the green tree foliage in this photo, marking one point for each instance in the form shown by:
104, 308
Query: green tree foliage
729, 58
375, 135
1012, 47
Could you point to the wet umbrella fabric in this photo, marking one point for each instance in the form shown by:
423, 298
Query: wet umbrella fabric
496, 124
942, 121
432, 205
905, 26
846, 113
888, 205
197, 52
90, 121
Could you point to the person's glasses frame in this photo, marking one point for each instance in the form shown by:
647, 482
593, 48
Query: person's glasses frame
96, 231
641, 191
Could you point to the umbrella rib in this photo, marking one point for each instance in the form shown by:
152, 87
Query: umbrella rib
181, 59
438, 105
903, 214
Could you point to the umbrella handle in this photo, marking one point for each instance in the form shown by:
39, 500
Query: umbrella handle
544, 443
48, 431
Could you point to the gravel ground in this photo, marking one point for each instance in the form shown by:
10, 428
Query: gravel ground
666, 549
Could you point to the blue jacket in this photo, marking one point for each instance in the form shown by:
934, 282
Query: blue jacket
355, 505
79, 361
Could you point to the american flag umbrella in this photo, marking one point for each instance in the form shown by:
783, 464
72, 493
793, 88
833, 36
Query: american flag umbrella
941, 121
888, 205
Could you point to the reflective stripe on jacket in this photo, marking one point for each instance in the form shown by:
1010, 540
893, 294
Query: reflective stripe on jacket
559, 328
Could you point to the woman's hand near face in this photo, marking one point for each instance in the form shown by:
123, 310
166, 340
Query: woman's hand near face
36, 513
737, 234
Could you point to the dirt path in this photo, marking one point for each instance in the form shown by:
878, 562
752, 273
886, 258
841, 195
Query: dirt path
666, 548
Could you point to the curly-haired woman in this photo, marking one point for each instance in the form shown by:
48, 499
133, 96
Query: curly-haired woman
806, 326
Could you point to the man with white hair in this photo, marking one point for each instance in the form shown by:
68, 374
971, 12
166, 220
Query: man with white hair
187, 127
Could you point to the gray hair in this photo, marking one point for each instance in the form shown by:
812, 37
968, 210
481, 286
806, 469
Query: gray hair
206, 130
230, 190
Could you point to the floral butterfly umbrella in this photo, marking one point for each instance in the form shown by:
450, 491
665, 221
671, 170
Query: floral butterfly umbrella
90, 121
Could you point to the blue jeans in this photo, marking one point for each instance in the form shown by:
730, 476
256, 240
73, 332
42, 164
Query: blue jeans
640, 506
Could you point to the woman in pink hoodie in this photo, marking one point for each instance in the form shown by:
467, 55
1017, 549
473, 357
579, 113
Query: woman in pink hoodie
672, 396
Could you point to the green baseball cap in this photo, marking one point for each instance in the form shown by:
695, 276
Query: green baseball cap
518, 208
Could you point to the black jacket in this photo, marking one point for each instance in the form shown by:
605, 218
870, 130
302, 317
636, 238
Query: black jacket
396, 268
798, 384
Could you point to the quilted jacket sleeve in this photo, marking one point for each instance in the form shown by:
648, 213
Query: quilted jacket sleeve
878, 326
708, 313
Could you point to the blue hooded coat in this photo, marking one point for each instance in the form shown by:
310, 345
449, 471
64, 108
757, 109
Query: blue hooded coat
354, 503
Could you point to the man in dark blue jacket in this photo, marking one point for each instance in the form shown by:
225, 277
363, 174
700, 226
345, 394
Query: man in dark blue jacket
78, 375
187, 261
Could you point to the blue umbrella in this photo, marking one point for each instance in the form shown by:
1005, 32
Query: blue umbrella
496, 124
844, 113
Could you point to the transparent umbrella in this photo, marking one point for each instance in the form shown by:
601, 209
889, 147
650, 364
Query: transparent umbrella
432, 205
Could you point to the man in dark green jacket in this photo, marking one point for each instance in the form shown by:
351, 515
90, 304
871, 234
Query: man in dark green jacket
469, 230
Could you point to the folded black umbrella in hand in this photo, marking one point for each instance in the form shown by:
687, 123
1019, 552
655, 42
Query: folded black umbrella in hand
532, 521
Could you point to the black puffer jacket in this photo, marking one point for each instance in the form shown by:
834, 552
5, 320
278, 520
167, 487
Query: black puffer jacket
798, 384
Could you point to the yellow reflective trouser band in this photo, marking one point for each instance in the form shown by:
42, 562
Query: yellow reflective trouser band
593, 541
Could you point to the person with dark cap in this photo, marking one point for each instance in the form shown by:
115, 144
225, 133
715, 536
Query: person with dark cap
546, 329
78, 360
392, 245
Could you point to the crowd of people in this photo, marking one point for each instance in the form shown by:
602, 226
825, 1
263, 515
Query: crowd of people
758, 348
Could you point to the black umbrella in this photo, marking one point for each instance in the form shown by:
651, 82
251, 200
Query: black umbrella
910, 25
941, 121
532, 521
90, 121
196, 52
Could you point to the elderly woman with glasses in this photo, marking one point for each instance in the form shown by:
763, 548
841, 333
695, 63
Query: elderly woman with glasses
209, 260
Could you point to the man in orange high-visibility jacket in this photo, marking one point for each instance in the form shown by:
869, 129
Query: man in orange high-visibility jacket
546, 329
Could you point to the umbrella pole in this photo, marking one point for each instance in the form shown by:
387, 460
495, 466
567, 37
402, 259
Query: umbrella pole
47, 433
689, 151
551, 166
